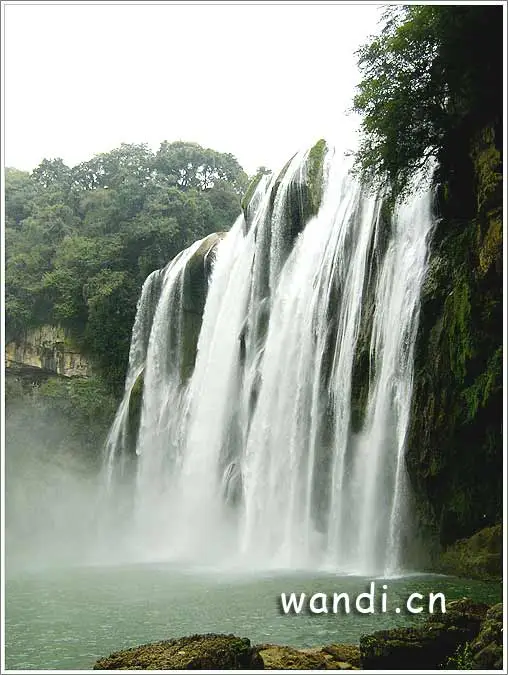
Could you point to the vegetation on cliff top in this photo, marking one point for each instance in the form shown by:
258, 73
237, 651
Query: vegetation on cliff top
80, 241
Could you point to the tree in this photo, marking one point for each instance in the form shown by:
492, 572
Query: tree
81, 241
19, 196
53, 173
434, 69
188, 165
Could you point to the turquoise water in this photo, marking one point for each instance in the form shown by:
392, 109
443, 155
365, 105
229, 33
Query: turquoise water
67, 618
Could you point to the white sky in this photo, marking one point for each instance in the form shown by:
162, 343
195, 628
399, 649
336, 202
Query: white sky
257, 81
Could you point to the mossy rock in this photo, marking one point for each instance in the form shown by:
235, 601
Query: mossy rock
486, 156
479, 557
454, 450
249, 194
198, 652
329, 657
196, 278
315, 164
426, 647
486, 650
304, 198
491, 246
196, 274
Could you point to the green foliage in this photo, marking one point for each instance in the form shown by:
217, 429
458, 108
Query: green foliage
458, 317
19, 195
80, 241
488, 383
487, 159
462, 659
431, 71
188, 165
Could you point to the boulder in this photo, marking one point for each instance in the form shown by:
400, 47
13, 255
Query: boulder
198, 652
478, 557
428, 646
487, 648
330, 657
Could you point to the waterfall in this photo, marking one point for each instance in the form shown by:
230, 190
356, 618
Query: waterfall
276, 368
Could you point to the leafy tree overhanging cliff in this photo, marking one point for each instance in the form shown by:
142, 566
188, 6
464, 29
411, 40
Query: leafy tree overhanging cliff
434, 73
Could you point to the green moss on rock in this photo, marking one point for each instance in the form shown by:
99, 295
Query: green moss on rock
454, 449
457, 317
198, 652
486, 156
249, 193
196, 275
426, 647
315, 164
329, 657
486, 650
491, 248
478, 557
194, 291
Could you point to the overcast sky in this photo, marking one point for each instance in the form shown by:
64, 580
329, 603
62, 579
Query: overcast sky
257, 81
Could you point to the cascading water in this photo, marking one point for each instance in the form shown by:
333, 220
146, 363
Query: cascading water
278, 439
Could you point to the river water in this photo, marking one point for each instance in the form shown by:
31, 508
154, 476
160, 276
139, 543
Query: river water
67, 618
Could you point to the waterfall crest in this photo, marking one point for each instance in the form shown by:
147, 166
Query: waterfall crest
276, 367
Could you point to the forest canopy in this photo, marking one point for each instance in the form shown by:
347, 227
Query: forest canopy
80, 241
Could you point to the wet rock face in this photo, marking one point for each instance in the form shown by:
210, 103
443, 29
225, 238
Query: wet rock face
135, 405
195, 288
305, 193
198, 652
46, 350
454, 449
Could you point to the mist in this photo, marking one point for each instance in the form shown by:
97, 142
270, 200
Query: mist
52, 489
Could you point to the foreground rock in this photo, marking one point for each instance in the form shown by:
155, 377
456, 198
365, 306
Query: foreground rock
426, 647
469, 636
330, 657
198, 652
486, 650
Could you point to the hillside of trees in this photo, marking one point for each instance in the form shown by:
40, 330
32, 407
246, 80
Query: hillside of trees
81, 240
